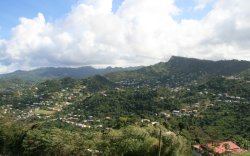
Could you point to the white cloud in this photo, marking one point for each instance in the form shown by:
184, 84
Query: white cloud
141, 32
229, 28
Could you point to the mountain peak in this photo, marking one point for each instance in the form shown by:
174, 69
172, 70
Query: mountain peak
180, 58
175, 57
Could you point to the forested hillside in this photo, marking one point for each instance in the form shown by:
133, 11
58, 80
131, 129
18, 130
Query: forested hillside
180, 71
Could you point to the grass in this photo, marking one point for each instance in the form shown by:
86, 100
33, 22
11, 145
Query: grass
244, 154
44, 112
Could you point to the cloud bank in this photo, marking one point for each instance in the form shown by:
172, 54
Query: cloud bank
141, 32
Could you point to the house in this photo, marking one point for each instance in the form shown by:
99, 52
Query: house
58, 109
176, 112
165, 115
155, 123
195, 111
145, 120
183, 110
210, 105
217, 148
107, 118
197, 105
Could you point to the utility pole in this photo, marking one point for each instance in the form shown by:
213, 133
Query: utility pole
160, 136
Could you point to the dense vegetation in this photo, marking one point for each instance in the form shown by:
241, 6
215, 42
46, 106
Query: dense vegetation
54, 138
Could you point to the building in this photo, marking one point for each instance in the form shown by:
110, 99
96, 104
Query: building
217, 148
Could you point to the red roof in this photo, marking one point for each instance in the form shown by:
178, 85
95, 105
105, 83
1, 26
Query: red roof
221, 147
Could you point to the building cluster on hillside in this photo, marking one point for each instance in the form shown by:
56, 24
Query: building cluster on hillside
232, 98
169, 82
183, 112
90, 122
52, 101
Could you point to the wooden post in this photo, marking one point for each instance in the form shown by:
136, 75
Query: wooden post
159, 152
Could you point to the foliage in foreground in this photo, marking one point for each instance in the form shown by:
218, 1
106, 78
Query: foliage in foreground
38, 139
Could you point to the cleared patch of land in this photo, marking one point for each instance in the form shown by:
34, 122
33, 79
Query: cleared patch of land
44, 112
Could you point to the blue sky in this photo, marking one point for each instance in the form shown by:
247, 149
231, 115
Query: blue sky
12, 10
188, 11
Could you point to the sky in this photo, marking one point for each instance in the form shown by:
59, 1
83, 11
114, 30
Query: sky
122, 33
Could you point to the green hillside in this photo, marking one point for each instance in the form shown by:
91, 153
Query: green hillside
166, 107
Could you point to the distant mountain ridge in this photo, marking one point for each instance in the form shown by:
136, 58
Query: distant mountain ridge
181, 70
178, 70
61, 72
